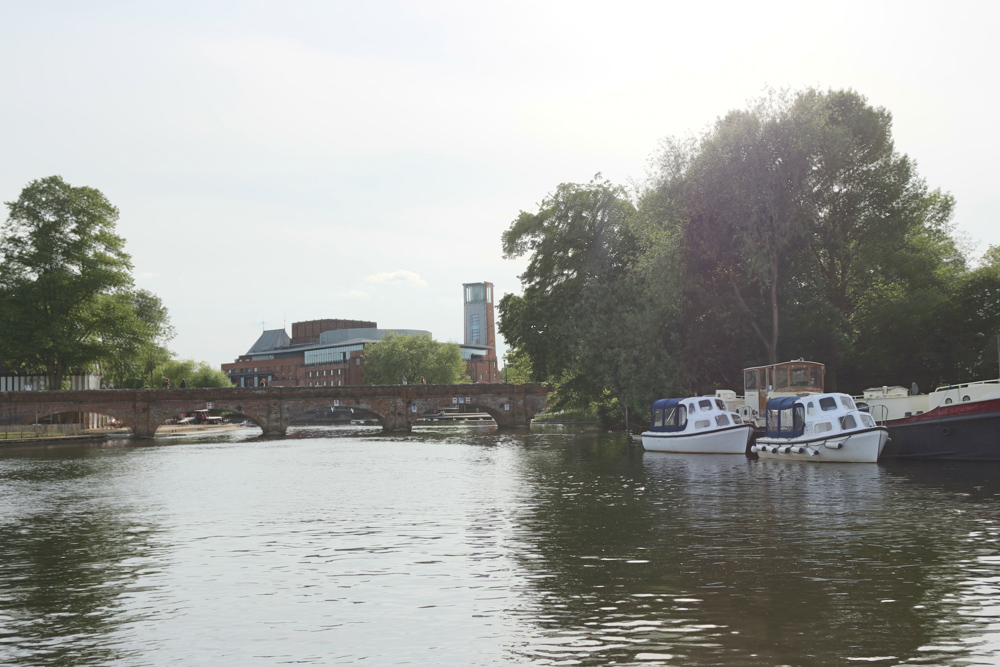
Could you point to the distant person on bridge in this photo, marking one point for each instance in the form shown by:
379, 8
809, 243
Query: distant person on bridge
166, 383
184, 383
404, 379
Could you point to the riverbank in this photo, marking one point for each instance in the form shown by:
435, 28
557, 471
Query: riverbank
103, 434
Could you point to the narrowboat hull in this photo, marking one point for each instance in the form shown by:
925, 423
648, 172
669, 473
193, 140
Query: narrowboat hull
960, 431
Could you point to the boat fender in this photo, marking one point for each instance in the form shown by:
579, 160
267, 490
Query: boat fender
813, 452
754, 449
774, 449
786, 449
834, 445
798, 450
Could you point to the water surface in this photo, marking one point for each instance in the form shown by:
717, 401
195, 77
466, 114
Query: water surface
456, 545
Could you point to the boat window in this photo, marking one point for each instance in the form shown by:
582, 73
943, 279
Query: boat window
847, 402
965, 398
705, 405
658, 418
828, 403
847, 422
798, 376
691, 408
720, 404
781, 377
792, 420
810, 408
948, 401
786, 420
823, 427
721, 420
682, 417
702, 423
816, 377
750, 380
867, 420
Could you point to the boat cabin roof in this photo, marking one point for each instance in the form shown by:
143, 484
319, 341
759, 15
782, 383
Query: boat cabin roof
788, 416
672, 414
797, 376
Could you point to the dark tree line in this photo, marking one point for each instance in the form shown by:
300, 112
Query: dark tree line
792, 228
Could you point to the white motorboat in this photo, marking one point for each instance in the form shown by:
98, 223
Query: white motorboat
699, 425
820, 427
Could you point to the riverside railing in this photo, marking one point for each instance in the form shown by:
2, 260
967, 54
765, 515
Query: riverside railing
27, 431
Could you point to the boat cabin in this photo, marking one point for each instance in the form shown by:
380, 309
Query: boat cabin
797, 416
789, 378
673, 415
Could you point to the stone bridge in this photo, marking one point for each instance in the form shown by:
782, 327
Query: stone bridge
396, 407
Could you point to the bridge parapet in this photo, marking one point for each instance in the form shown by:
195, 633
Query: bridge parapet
396, 407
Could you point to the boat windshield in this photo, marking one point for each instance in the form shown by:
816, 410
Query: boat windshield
669, 416
785, 418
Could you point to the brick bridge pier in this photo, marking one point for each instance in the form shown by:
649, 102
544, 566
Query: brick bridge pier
396, 407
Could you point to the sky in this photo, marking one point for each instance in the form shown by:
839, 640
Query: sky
276, 162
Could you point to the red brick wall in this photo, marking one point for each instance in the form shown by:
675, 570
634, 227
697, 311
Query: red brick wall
308, 332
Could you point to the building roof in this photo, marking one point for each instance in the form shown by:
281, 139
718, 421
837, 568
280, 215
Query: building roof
272, 339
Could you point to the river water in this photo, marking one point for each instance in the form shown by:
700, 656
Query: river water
460, 546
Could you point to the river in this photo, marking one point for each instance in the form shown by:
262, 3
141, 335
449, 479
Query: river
460, 546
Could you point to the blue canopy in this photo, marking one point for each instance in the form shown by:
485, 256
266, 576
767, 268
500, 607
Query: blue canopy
662, 406
666, 403
783, 403
786, 417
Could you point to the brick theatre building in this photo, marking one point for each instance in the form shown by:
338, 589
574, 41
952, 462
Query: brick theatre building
330, 353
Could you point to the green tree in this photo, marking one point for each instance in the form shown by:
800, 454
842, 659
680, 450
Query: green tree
591, 316
397, 356
197, 374
66, 298
798, 210
516, 367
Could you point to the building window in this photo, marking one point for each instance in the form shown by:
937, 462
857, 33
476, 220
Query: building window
474, 329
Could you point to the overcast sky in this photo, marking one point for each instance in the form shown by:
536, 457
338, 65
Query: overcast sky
288, 161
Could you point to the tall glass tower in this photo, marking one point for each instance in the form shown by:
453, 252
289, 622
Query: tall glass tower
479, 327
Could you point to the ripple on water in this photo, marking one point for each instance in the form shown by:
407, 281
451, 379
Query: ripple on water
459, 546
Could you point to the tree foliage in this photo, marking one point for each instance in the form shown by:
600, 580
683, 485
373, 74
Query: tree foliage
398, 356
197, 374
66, 297
792, 228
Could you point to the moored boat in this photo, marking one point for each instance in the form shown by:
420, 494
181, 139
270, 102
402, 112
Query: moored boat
820, 427
788, 378
959, 422
697, 425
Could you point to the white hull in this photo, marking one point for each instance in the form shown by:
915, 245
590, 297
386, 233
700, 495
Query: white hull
732, 440
857, 447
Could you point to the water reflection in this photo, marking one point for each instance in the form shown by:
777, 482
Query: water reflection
458, 545
70, 559
713, 559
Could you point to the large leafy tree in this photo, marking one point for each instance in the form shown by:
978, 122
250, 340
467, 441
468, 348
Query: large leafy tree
66, 297
585, 320
742, 189
398, 356
798, 217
